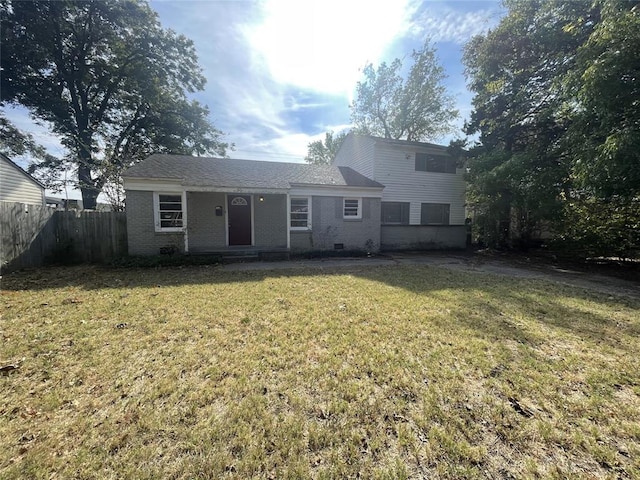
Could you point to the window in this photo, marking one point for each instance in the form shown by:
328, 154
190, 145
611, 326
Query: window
434, 214
300, 213
431, 163
395, 213
168, 212
352, 208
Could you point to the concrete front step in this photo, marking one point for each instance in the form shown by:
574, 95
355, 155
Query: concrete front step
233, 256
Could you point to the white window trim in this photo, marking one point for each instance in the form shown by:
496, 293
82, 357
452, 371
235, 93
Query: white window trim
308, 227
156, 213
352, 217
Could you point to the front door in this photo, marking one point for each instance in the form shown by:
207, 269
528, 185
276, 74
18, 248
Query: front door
239, 212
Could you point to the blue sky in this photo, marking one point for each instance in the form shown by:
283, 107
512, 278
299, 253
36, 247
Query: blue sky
281, 73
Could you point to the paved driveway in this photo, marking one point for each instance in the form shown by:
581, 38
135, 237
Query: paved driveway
470, 263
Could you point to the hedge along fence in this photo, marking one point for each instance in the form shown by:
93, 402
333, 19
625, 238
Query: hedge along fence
33, 235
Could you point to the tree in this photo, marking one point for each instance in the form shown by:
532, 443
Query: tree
14, 142
555, 111
604, 138
108, 79
322, 152
517, 173
416, 108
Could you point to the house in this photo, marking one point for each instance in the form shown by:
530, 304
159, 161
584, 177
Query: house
423, 202
213, 205
16, 185
378, 194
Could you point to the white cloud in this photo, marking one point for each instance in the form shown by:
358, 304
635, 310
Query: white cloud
445, 24
321, 45
285, 146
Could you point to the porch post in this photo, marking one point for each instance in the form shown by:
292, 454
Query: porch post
288, 221
184, 221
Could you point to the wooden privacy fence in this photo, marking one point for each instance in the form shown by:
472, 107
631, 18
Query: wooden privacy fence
33, 235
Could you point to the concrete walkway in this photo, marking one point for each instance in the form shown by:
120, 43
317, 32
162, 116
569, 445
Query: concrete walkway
468, 263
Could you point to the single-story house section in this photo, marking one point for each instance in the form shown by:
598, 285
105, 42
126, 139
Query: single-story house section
213, 205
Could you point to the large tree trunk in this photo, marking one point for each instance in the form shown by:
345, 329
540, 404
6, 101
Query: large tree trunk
88, 188
89, 198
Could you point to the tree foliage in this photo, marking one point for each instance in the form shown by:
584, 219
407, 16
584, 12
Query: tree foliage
108, 80
604, 138
15, 142
416, 108
556, 114
322, 152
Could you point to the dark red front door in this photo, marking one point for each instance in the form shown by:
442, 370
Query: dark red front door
239, 209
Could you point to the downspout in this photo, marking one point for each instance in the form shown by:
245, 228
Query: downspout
288, 221
184, 222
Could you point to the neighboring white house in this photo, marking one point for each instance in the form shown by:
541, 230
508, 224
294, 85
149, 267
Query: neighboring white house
16, 185
423, 202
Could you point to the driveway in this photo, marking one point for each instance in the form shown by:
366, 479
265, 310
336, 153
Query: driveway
465, 262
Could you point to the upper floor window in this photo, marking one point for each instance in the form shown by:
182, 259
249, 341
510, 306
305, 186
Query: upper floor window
168, 212
395, 213
300, 213
352, 208
432, 163
434, 214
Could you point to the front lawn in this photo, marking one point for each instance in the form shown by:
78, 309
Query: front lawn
387, 372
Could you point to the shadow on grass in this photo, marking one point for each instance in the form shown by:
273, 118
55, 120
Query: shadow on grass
499, 301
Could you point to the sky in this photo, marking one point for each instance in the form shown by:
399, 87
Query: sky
281, 73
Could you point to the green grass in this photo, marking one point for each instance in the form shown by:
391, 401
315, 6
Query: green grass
402, 372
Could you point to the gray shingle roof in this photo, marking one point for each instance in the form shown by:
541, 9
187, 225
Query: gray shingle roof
226, 172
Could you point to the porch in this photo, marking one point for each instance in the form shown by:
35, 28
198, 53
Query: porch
236, 224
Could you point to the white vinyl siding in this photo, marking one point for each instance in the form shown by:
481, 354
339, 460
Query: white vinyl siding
357, 153
16, 186
395, 169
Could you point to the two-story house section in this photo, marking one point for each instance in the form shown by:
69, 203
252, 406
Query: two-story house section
424, 195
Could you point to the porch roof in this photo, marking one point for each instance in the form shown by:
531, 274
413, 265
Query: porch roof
249, 174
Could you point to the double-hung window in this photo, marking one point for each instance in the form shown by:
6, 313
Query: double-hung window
432, 163
394, 213
168, 212
300, 213
352, 208
434, 214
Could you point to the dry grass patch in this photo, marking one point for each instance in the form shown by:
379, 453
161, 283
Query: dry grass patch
402, 372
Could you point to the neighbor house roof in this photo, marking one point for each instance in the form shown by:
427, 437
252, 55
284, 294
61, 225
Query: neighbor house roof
226, 172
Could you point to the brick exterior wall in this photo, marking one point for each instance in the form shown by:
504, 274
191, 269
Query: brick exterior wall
422, 237
270, 221
207, 232
329, 227
301, 241
141, 235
